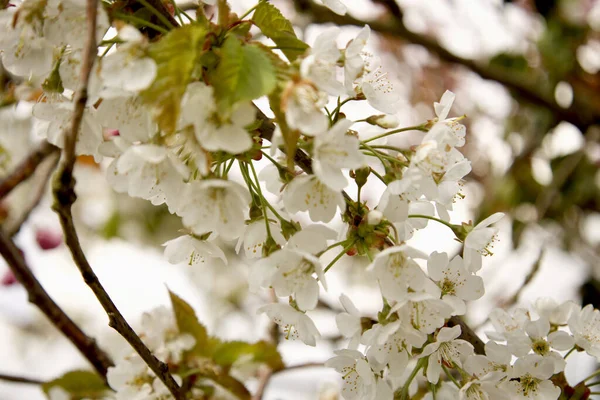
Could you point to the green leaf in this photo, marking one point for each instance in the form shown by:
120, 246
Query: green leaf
276, 27
176, 55
244, 73
262, 352
188, 322
79, 384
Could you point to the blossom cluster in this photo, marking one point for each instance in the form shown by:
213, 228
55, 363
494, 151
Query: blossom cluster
201, 165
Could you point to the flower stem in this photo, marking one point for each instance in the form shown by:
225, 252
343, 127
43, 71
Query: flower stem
340, 243
252, 186
141, 21
404, 392
154, 11
378, 175
337, 110
595, 374
449, 375
339, 256
244, 15
409, 128
441, 221
569, 352
278, 165
262, 199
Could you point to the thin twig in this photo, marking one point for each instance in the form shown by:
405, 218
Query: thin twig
581, 114
301, 366
20, 379
40, 298
65, 197
13, 227
26, 168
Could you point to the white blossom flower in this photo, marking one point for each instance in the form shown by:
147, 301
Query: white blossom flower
25, 52
230, 136
333, 151
529, 379
447, 350
161, 335
456, 283
294, 324
128, 69
443, 107
359, 380
320, 66
191, 250
349, 322
69, 71
585, 326
153, 173
425, 313
392, 345
374, 217
198, 109
308, 193
396, 271
479, 242
215, 205
557, 314
506, 324
363, 74
255, 236
494, 365
303, 105
312, 238
131, 379
537, 337
336, 6
53, 118
291, 272
456, 130
129, 116
65, 23
482, 389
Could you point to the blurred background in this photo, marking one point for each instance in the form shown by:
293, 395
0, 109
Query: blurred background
525, 74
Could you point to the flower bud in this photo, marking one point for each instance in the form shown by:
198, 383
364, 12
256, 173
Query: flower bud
48, 239
384, 121
374, 217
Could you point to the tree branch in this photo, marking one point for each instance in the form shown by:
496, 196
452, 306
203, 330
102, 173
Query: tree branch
40, 298
13, 226
26, 168
65, 197
580, 113
20, 379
